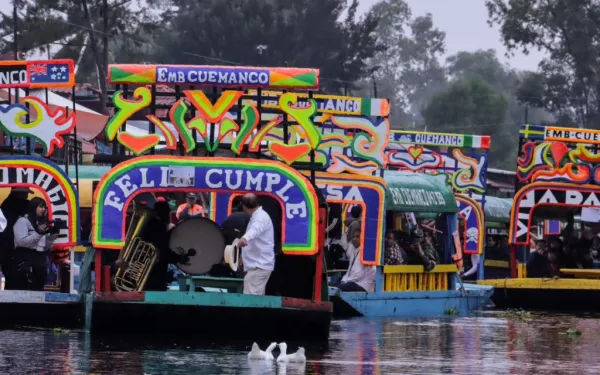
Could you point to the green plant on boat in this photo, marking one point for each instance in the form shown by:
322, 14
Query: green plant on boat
60, 331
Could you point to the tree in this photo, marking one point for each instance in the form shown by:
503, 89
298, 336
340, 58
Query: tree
472, 106
301, 33
408, 72
75, 24
569, 31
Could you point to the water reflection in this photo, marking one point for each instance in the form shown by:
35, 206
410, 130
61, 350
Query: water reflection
491, 344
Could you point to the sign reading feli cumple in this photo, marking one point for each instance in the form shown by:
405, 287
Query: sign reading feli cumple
169, 173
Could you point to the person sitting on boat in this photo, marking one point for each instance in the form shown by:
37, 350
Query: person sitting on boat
258, 246
353, 224
13, 207
538, 265
33, 239
584, 249
190, 208
358, 278
420, 252
394, 254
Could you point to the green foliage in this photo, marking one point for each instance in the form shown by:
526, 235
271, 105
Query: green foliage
408, 71
567, 30
272, 33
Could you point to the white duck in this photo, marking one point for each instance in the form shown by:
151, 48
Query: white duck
258, 354
297, 357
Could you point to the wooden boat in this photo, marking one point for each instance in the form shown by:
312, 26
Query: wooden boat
556, 180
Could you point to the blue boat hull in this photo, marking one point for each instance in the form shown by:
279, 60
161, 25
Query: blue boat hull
40, 309
410, 304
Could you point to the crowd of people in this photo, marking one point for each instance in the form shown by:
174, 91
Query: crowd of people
552, 254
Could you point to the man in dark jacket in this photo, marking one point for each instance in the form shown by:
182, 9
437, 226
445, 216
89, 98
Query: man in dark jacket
13, 207
538, 265
234, 226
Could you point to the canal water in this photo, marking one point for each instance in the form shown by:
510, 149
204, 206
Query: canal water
495, 343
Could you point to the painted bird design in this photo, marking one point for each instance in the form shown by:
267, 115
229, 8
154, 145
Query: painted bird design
45, 126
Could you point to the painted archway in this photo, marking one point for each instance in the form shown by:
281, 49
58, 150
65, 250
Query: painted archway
474, 225
546, 194
53, 184
367, 191
228, 175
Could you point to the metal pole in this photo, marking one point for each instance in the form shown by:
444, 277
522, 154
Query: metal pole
15, 39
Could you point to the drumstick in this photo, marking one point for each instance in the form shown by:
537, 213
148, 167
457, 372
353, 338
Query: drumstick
431, 229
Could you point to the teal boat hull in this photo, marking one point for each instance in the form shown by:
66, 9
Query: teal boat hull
211, 315
410, 304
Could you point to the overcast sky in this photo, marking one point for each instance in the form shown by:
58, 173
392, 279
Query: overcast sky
465, 24
464, 21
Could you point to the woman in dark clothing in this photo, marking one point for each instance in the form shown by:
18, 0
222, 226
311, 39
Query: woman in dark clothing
33, 240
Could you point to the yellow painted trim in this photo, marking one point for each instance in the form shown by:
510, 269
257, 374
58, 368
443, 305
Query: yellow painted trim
496, 263
558, 284
581, 274
440, 268
80, 249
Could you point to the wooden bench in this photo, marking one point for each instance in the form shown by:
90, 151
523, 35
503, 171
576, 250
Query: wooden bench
191, 283
581, 274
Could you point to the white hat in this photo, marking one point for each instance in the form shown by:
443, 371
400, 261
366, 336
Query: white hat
232, 255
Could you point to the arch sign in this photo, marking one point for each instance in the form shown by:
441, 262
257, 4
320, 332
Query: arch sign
53, 184
176, 173
471, 212
546, 194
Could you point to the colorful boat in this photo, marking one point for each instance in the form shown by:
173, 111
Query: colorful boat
407, 291
557, 179
42, 126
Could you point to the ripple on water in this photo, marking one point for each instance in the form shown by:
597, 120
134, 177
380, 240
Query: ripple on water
494, 343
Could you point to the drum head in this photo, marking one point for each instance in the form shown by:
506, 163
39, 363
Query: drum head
205, 240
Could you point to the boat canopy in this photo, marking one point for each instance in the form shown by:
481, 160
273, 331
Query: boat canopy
418, 192
497, 210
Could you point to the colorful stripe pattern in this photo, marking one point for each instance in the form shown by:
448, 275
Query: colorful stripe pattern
223, 76
37, 74
175, 173
330, 104
367, 191
441, 139
472, 214
61, 197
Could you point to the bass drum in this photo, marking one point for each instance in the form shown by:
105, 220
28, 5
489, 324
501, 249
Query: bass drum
202, 240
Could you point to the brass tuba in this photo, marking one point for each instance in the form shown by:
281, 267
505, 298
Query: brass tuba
139, 255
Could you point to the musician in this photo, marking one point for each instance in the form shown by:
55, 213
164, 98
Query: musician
33, 239
258, 246
156, 232
234, 226
13, 207
190, 208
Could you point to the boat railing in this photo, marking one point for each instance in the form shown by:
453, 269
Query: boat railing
415, 279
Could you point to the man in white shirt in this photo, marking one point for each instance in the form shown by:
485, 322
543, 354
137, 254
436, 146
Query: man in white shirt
358, 278
258, 246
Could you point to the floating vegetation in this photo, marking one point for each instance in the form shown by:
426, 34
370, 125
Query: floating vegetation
573, 332
451, 311
520, 315
60, 331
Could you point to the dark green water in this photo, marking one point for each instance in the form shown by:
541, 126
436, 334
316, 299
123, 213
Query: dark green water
497, 343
